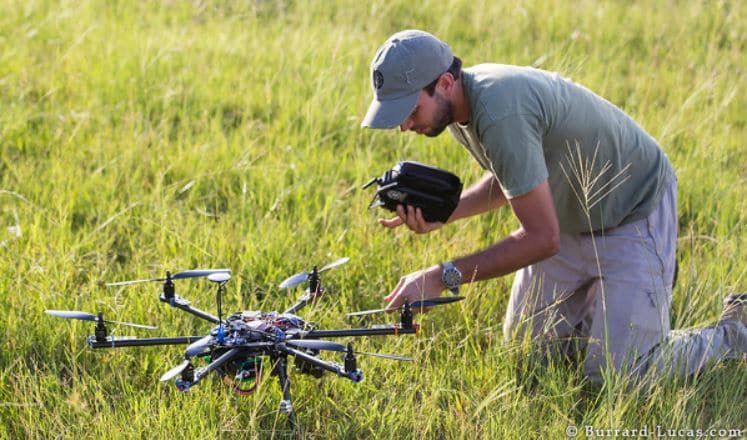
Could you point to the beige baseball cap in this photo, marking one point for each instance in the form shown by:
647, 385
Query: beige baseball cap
408, 61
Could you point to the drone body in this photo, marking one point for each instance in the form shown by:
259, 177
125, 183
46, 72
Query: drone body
238, 347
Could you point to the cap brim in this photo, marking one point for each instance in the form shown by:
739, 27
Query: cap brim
390, 113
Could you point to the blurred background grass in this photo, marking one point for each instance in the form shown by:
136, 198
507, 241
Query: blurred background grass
140, 137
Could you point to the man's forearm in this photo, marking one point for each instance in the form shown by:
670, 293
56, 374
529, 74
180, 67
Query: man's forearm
518, 250
483, 196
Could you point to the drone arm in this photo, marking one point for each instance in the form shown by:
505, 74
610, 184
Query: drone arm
353, 332
182, 304
355, 375
307, 297
225, 357
126, 341
301, 303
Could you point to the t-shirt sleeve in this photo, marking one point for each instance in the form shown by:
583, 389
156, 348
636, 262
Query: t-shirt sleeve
514, 146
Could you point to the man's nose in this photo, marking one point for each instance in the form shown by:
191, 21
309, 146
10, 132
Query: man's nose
405, 125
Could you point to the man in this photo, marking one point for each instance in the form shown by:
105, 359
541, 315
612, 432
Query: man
594, 193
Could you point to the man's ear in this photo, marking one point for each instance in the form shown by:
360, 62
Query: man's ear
445, 83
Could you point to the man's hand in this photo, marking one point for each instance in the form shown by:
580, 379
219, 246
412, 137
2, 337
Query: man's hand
420, 285
411, 217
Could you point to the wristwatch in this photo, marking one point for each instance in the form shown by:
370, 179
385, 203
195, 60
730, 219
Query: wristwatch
451, 277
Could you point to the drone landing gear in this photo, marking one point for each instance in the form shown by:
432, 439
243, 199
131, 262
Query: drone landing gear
286, 406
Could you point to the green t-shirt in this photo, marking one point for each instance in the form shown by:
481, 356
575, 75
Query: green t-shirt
528, 125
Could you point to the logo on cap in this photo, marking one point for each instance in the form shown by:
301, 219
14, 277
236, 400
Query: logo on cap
378, 79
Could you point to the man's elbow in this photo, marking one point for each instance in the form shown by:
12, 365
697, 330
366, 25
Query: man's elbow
549, 241
545, 242
553, 244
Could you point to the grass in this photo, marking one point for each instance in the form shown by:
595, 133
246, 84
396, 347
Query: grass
137, 138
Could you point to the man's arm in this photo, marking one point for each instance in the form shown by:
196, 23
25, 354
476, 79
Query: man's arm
538, 238
482, 196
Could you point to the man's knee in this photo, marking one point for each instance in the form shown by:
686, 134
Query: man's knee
600, 363
548, 325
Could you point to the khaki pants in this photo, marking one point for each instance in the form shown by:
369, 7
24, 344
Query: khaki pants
612, 291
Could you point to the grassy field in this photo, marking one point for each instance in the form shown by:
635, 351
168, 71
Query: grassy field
140, 137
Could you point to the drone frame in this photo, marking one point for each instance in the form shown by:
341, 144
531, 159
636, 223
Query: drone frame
277, 349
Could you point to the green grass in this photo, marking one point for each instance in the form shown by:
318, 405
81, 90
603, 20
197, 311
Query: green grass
140, 137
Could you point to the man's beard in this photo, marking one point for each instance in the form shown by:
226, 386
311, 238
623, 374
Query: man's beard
444, 116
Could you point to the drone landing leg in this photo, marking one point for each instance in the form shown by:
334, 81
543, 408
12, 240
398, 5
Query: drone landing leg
286, 406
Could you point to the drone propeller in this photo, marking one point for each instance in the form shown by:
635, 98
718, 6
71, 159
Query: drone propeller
300, 277
198, 347
84, 316
316, 344
338, 262
194, 273
172, 373
425, 303
219, 277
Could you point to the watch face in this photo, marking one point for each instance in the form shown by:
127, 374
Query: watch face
452, 277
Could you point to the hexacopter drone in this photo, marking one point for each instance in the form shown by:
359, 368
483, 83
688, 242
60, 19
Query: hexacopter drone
235, 347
